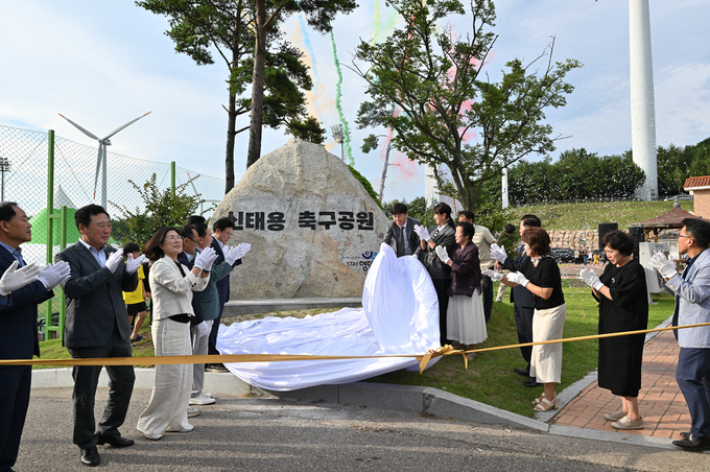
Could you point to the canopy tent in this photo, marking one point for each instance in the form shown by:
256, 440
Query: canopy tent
669, 220
400, 315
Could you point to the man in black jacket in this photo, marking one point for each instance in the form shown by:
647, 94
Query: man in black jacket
401, 235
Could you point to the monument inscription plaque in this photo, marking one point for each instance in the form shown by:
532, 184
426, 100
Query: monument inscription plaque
313, 228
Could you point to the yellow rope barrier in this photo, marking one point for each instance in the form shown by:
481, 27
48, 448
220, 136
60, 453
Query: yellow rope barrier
238, 358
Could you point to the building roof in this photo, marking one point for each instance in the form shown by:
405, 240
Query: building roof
670, 219
697, 182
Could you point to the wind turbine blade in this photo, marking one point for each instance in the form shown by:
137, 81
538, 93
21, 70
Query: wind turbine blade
126, 125
85, 131
102, 146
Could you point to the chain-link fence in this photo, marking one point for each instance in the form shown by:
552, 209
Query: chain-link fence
24, 170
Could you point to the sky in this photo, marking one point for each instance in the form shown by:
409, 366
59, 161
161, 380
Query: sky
102, 64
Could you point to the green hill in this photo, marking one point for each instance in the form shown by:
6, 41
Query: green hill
577, 216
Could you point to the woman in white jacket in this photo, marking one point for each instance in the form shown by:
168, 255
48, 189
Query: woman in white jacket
171, 285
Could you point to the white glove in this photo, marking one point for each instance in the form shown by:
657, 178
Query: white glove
237, 253
498, 253
15, 278
493, 274
589, 277
201, 330
114, 259
663, 265
517, 278
132, 265
53, 275
443, 255
205, 259
422, 232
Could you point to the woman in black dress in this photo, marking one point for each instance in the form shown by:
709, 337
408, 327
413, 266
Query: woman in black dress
623, 306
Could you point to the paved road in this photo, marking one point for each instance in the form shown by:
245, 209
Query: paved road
267, 434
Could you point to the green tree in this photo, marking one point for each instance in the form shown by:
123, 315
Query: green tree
265, 18
161, 208
201, 28
436, 79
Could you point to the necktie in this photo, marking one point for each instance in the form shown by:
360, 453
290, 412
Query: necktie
674, 322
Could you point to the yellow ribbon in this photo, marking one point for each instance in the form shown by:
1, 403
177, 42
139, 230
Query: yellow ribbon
424, 359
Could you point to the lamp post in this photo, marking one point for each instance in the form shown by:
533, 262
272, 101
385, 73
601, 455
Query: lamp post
339, 138
4, 167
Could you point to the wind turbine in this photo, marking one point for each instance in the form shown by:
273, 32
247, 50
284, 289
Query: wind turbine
101, 158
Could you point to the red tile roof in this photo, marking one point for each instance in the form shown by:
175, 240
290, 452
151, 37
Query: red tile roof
694, 182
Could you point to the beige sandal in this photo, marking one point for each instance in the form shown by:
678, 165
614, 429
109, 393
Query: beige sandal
546, 405
538, 399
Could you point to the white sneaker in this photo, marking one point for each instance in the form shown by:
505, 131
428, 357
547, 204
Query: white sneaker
207, 394
184, 429
193, 411
202, 400
616, 416
152, 437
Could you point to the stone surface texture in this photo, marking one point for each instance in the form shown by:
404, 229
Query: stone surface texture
298, 261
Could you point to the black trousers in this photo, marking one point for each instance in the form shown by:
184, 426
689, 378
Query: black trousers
15, 385
487, 293
86, 378
523, 321
442, 293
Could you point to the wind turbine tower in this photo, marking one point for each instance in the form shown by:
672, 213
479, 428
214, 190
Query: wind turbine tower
101, 158
643, 117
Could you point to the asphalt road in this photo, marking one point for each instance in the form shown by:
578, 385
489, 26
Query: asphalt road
267, 434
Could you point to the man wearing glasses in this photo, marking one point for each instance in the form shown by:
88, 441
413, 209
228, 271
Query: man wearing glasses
692, 292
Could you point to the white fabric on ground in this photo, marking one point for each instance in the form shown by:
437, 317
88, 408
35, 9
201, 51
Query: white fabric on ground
399, 316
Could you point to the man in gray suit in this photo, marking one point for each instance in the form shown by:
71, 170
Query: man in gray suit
97, 326
692, 292
401, 235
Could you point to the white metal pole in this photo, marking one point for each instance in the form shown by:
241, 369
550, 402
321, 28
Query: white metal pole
643, 119
505, 188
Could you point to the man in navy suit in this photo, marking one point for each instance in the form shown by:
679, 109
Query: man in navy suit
400, 235
523, 300
222, 231
18, 326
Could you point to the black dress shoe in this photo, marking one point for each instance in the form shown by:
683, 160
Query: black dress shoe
523, 372
685, 434
693, 443
531, 382
90, 457
116, 441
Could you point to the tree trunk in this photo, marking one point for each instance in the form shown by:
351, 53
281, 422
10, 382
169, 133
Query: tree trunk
257, 90
231, 134
384, 170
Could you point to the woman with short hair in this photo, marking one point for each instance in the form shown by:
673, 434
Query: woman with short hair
623, 306
172, 285
549, 316
465, 318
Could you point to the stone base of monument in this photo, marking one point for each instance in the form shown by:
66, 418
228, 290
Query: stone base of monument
250, 307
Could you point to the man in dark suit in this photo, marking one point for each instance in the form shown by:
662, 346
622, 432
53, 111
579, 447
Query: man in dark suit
523, 300
18, 324
222, 231
97, 326
401, 235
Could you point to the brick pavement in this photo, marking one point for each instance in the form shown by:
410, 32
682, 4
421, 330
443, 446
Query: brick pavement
665, 413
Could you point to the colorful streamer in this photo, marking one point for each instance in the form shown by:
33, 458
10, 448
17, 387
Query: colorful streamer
338, 103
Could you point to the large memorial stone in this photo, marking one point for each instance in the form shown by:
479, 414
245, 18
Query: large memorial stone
313, 228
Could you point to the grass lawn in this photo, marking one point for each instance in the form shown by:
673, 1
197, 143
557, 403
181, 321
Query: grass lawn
574, 216
490, 378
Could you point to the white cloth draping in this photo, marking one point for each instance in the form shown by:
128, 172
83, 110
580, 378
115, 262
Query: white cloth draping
400, 315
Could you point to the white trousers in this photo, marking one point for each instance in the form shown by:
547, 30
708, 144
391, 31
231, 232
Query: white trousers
171, 389
199, 348
546, 360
